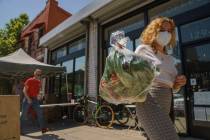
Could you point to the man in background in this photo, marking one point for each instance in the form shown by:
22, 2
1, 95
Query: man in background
31, 91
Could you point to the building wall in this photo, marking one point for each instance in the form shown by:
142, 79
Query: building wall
50, 17
93, 60
56, 16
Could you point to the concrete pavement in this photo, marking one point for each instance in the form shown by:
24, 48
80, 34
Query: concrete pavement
71, 131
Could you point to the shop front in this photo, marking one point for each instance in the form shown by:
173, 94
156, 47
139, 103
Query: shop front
84, 56
190, 108
72, 56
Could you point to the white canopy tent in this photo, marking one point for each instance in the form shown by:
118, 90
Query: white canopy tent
20, 64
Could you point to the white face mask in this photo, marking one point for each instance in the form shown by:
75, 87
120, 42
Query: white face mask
163, 38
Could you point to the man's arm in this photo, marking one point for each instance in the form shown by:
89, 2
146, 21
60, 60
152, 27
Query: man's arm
25, 90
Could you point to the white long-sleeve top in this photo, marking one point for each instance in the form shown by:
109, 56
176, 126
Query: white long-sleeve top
166, 65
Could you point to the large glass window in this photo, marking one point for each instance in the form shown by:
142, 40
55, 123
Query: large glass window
79, 76
61, 52
198, 67
132, 28
69, 70
56, 85
198, 58
175, 7
57, 54
74, 62
196, 30
77, 46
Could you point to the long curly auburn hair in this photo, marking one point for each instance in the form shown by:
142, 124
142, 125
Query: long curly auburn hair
149, 34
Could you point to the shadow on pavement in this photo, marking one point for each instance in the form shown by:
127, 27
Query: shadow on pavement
45, 137
56, 126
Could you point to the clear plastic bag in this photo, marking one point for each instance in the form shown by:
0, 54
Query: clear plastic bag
127, 77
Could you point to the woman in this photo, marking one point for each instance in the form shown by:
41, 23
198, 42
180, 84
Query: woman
154, 112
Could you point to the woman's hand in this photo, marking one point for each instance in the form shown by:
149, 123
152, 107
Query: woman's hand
180, 81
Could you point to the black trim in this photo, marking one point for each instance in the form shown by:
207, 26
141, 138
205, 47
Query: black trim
71, 56
136, 12
192, 15
187, 115
196, 42
86, 58
146, 18
195, 105
73, 80
69, 42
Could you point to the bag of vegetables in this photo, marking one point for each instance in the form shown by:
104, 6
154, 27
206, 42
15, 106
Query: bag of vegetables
127, 76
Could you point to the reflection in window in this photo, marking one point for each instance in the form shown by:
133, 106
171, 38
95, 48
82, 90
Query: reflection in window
69, 70
198, 54
77, 46
176, 7
130, 45
75, 69
53, 58
56, 84
61, 52
137, 42
69, 66
79, 76
196, 30
58, 54
129, 26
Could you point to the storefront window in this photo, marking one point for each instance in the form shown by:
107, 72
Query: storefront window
56, 85
77, 46
175, 7
198, 58
69, 71
130, 45
58, 54
196, 30
197, 65
79, 76
69, 66
61, 52
53, 57
137, 42
132, 28
75, 69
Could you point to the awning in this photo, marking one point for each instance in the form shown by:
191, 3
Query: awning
20, 64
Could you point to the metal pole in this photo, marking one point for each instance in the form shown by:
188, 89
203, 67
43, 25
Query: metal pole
67, 86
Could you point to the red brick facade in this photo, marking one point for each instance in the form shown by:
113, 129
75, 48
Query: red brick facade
46, 20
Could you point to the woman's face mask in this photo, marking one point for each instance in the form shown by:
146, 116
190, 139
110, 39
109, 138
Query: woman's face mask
163, 38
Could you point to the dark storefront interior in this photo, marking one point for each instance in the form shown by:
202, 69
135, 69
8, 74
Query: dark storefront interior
72, 56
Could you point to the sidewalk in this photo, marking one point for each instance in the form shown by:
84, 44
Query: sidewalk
71, 131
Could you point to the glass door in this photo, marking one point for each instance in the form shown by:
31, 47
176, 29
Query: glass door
196, 53
197, 65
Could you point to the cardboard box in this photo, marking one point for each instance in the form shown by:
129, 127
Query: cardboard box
9, 117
